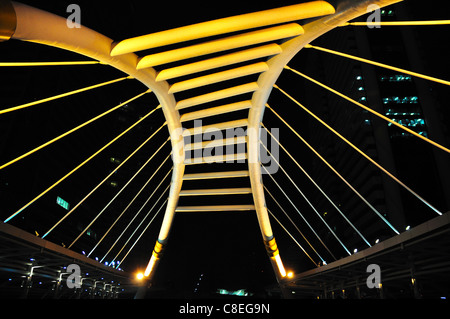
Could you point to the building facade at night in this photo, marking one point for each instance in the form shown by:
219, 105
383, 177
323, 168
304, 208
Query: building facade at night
409, 101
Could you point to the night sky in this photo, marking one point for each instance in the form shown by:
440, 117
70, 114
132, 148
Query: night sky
225, 249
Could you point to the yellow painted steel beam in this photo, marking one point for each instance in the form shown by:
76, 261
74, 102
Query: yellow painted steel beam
215, 175
218, 191
218, 77
237, 106
217, 208
216, 143
228, 43
224, 25
215, 127
221, 61
217, 95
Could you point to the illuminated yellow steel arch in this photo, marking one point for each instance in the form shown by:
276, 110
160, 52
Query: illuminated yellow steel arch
273, 34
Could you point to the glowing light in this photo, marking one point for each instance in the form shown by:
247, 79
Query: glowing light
140, 276
290, 274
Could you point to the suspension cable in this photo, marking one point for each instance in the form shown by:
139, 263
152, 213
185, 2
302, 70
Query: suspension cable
142, 233
393, 68
131, 202
150, 210
317, 186
135, 215
334, 170
80, 165
370, 110
361, 152
292, 238
55, 97
72, 130
307, 200
298, 211
293, 223
123, 187
397, 23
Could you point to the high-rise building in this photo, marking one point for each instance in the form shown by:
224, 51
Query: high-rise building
407, 100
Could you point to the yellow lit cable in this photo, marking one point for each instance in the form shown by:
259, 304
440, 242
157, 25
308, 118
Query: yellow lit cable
306, 199
55, 97
426, 77
148, 213
315, 184
360, 152
293, 223
292, 237
70, 131
142, 233
80, 165
370, 110
298, 211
